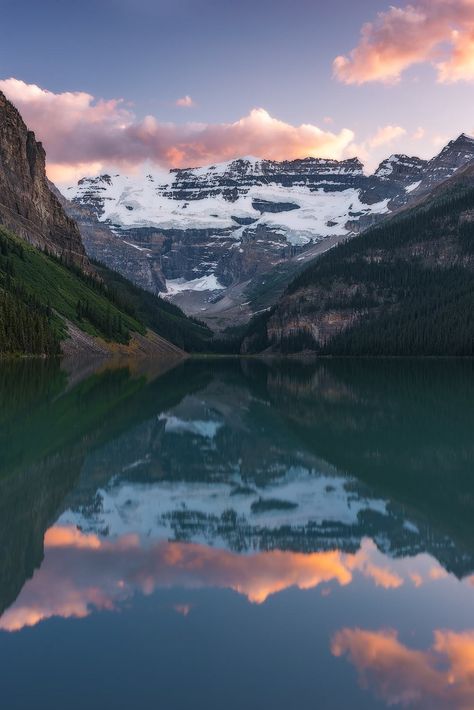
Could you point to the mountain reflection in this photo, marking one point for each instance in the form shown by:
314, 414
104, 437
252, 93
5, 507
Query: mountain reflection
120, 482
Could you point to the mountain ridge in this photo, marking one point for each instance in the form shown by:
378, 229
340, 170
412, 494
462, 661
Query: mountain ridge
208, 236
403, 288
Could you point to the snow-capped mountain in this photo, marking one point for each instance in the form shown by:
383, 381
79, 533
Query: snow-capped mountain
209, 236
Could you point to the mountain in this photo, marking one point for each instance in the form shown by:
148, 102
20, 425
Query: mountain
52, 299
27, 206
214, 238
405, 287
454, 156
119, 449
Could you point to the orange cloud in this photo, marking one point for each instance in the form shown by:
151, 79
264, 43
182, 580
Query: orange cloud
367, 562
82, 572
440, 32
67, 536
81, 132
441, 677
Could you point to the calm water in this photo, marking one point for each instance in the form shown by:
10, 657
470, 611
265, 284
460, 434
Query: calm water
233, 534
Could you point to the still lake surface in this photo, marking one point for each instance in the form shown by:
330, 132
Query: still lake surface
237, 534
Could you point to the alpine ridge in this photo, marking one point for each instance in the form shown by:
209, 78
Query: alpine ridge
212, 238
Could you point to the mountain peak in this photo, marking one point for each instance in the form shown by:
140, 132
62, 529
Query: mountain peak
463, 137
28, 207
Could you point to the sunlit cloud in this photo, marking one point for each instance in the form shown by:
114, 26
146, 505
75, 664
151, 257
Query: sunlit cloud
438, 32
68, 536
369, 562
79, 131
441, 677
82, 572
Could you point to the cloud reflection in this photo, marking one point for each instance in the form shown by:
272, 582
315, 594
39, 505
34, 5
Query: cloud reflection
441, 677
82, 572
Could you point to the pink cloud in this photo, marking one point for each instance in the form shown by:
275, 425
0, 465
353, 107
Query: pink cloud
79, 131
82, 572
386, 135
441, 677
371, 150
185, 102
439, 32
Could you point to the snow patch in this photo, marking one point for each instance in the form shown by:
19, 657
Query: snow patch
205, 283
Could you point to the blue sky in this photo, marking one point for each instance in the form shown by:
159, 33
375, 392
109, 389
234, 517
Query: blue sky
230, 57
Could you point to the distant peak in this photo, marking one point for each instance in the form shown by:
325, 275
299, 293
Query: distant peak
462, 138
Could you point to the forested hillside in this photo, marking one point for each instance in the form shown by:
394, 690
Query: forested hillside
37, 294
403, 288
158, 314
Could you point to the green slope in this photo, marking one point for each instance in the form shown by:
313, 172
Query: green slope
403, 288
37, 292
161, 316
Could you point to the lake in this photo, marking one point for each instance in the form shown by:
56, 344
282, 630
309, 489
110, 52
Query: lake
237, 534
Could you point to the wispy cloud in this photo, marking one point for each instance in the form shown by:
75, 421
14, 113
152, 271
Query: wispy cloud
369, 150
438, 32
185, 102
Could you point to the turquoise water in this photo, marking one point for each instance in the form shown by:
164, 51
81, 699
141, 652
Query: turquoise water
237, 534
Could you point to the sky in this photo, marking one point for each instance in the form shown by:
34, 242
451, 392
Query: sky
116, 83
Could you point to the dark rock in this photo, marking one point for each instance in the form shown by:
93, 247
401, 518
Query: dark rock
27, 206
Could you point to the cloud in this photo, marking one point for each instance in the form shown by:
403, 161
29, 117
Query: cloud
82, 572
438, 32
368, 150
185, 102
78, 130
386, 135
441, 677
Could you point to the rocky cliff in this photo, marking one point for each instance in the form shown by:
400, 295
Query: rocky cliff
27, 206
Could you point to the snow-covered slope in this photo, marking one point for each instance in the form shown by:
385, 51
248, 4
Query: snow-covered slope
307, 201
212, 229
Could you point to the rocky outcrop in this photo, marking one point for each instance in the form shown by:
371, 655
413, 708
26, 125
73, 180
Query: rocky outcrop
101, 244
454, 156
27, 206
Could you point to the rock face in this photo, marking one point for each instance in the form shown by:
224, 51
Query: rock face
27, 205
212, 229
454, 156
207, 229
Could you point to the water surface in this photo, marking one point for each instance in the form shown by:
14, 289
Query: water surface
237, 534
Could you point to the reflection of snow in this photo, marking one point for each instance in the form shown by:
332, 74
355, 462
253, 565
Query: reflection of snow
207, 429
146, 508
